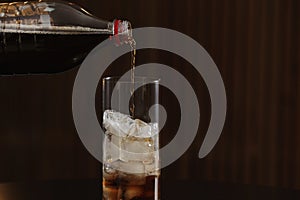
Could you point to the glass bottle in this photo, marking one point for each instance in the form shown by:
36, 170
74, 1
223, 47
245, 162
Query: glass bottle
50, 36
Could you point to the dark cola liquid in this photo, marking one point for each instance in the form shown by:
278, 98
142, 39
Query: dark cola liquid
23, 53
122, 186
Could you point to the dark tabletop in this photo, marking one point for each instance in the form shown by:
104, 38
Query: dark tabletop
91, 189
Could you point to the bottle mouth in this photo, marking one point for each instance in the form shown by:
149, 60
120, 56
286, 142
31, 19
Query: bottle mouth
120, 27
122, 31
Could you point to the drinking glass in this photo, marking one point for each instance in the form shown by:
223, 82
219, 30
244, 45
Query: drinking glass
131, 144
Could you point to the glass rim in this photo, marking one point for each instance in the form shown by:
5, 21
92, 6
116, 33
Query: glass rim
137, 79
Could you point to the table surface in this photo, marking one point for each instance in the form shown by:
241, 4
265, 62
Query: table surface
91, 189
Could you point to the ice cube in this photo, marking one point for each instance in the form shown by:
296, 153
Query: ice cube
138, 150
131, 144
117, 123
132, 167
123, 125
127, 168
111, 148
135, 145
129, 149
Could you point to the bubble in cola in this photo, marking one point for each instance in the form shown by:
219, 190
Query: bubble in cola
131, 159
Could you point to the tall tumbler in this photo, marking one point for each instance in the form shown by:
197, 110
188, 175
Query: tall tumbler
131, 144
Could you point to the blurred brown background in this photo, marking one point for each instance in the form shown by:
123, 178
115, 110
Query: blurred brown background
255, 44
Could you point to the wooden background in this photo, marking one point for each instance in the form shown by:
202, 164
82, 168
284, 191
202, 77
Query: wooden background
256, 46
